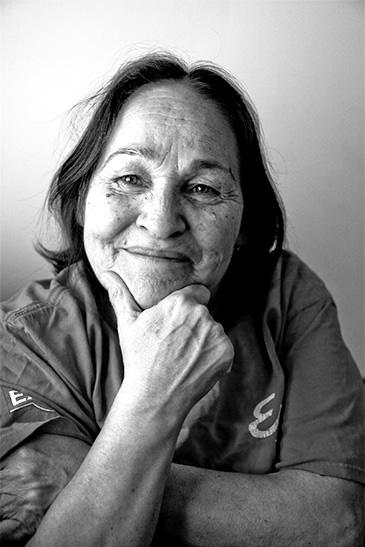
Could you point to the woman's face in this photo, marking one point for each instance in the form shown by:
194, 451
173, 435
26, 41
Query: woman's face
164, 208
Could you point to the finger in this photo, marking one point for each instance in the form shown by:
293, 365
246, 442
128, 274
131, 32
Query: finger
197, 292
123, 302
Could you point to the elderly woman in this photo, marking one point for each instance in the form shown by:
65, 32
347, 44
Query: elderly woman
182, 379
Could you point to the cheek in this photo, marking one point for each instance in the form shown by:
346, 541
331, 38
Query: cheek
105, 216
219, 235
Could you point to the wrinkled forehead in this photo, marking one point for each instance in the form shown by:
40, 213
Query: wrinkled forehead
175, 96
171, 115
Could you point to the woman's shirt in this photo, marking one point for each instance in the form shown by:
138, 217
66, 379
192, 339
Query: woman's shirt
293, 398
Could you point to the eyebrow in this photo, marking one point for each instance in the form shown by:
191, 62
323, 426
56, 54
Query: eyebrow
140, 151
198, 165
150, 154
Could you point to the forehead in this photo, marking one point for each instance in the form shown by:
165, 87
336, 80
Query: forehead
173, 115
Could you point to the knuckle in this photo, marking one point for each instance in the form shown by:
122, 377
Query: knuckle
174, 299
182, 303
219, 332
181, 299
227, 347
202, 311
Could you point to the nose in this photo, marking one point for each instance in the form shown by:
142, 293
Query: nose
161, 214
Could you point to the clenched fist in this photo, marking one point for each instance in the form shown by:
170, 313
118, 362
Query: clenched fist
173, 352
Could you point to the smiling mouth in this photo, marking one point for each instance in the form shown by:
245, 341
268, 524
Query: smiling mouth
157, 254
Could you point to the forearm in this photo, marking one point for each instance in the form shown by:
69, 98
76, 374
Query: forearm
203, 508
114, 498
31, 477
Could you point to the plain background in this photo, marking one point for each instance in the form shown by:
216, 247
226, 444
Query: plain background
302, 63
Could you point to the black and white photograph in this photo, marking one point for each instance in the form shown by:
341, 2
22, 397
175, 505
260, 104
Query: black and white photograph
182, 273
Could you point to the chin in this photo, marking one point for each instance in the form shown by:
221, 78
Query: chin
148, 300
147, 296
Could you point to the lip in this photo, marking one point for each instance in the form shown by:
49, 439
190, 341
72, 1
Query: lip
162, 254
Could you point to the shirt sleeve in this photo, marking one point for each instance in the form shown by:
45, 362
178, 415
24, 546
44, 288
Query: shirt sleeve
322, 423
35, 396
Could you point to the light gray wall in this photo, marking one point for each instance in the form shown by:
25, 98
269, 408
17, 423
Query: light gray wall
302, 63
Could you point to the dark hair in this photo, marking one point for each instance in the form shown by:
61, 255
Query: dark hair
263, 217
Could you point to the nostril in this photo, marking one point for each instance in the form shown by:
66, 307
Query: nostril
162, 227
162, 220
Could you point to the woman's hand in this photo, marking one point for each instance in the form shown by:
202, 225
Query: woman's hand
174, 352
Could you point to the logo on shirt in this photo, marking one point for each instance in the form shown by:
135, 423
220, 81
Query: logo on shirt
18, 399
261, 417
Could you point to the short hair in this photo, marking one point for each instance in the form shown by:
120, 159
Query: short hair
263, 224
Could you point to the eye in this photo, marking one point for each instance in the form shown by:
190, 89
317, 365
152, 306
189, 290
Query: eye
132, 180
128, 184
203, 189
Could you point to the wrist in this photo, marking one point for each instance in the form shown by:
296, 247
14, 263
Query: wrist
151, 418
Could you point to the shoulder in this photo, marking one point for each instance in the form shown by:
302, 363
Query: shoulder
47, 362
296, 295
295, 286
50, 324
68, 289
53, 308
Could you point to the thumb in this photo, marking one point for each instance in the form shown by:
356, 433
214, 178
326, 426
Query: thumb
122, 300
